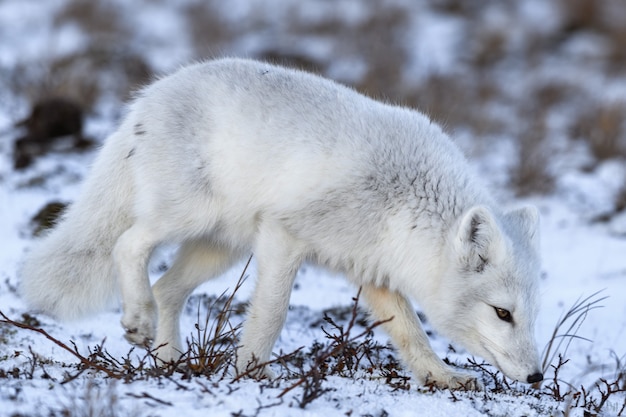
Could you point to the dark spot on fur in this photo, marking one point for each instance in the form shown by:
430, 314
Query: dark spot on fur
139, 129
131, 153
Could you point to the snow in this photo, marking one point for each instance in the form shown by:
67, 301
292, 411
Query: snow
580, 255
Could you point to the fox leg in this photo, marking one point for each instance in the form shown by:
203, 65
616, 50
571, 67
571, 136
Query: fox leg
197, 261
278, 259
408, 336
130, 255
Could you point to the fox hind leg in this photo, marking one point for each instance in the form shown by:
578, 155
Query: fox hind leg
197, 261
130, 255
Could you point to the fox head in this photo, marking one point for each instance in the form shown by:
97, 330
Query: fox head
491, 289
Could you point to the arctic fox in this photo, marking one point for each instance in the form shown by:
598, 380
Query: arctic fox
234, 156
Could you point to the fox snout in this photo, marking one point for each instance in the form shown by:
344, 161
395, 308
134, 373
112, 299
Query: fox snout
516, 372
529, 376
522, 367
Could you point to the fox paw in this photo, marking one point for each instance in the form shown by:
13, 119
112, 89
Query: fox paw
454, 380
166, 352
253, 369
137, 338
140, 327
259, 372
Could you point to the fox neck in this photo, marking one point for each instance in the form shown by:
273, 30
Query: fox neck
412, 259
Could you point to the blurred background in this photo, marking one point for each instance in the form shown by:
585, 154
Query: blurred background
533, 90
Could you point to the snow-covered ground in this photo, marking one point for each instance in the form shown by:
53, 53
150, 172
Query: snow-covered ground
483, 68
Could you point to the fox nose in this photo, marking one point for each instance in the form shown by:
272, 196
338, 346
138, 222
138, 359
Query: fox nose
531, 379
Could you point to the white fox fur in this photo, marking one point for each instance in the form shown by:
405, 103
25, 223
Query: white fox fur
232, 156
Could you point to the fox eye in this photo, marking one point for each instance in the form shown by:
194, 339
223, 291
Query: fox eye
504, 315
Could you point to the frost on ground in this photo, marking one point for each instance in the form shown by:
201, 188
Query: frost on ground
534, 92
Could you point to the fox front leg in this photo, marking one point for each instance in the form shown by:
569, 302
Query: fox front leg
278, 258
407, 334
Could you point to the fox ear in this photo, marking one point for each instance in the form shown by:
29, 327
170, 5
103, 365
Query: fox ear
526, 220
478, 239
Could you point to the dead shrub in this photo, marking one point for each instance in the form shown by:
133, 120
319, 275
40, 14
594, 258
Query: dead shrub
378, 41
603, 127
44, 79
211, 350
566, 330
106, 66
552, 92
490, 47
210, 33
581, 14
101, 20
84, 77
531, 174
617, 56
602, 17
344, 354
54, 124
620, 198
456, 103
